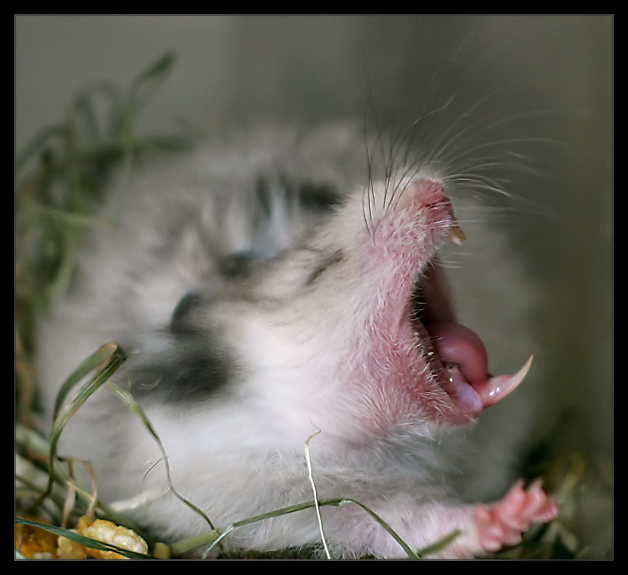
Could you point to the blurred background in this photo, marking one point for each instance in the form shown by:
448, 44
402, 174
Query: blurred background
550, 77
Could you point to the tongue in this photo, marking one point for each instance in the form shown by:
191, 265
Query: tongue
457, 344
464, 356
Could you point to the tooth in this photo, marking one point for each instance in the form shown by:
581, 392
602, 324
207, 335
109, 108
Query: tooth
456, 234
498, 387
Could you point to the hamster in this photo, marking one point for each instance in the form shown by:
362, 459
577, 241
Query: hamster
287, 284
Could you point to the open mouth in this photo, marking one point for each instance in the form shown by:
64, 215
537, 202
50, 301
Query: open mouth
456, 355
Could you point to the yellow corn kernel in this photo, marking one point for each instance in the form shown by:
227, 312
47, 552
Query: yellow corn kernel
68, 549
161, 551
35, 543
106, 532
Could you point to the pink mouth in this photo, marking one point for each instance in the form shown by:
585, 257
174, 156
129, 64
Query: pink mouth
459, 359
453, 356
465, 368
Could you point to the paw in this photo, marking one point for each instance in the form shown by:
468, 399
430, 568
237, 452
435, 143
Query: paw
503, 523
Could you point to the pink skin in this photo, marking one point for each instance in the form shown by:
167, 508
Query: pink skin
423, 216
503, 523
481, 529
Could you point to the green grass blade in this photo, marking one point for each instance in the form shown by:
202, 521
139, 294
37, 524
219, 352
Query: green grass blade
130, 402
147, 81
28, 440
85, 107
408, 551
268, 515
37, 144
107, 360
185, 546
438, 545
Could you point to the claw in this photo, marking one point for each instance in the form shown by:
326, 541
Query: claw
498, 387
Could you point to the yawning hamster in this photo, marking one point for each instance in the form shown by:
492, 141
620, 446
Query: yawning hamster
286, 285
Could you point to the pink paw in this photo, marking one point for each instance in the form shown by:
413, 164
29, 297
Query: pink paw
504, 522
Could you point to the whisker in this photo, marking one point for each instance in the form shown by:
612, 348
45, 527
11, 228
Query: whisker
478, 183
463, 143
369, 192
416, 126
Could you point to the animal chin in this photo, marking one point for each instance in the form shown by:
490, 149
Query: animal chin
456, 357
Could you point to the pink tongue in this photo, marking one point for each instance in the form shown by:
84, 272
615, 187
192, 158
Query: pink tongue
465, 364
465, 359
457, 344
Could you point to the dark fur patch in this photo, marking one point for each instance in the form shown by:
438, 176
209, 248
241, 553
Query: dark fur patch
180, 321
194, 364
189, 371
308, 195
334, 258
318, 196
239, 264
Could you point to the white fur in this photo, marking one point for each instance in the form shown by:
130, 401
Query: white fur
240, 453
